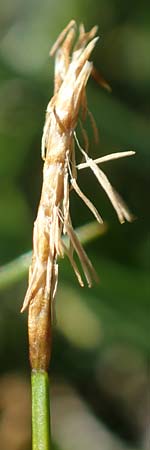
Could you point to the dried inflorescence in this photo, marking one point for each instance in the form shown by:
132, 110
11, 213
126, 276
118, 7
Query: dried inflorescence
72, 70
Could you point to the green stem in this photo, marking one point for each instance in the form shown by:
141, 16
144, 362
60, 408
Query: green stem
41, 436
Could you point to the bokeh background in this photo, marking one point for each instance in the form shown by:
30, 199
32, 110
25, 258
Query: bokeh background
101, 343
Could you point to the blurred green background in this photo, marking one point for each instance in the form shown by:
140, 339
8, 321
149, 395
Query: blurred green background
101, 343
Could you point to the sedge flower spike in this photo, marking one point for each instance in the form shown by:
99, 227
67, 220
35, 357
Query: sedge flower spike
72, 71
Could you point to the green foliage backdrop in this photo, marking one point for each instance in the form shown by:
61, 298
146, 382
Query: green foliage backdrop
102, 337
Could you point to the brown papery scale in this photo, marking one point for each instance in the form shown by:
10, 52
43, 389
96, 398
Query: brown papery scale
72, 71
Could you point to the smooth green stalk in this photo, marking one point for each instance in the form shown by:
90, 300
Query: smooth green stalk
41, 433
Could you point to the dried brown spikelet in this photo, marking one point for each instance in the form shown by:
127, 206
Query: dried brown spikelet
72, 70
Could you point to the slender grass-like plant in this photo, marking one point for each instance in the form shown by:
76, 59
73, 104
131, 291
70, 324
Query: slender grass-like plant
59, 142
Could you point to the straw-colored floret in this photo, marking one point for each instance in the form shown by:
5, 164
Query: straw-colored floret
72, 70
